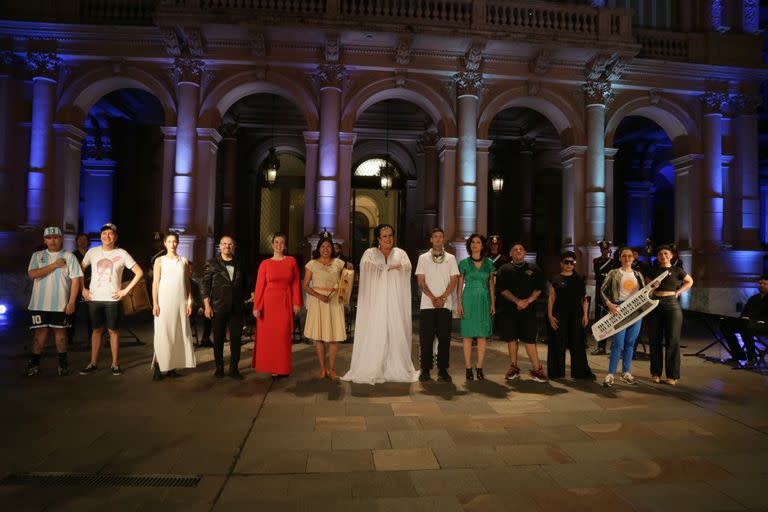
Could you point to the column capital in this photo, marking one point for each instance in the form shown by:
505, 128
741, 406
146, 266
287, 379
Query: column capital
598, 92
347, 138
483, 145
712, 102
311, 138
44, 65
188, 70
573, 152
331, 75
744, 104
447, 144
469, 83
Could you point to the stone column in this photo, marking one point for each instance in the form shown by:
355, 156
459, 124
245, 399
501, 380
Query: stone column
187, 74
64, 204
610, 199
750, 16
525, 145
446, 150
597, 95
712, 175
483, 146
7, 59
229, 179
747, 196
343, 220
169, 164
469, 85
431, 189
330, 77
201, 232
731, 185
573, 159
686, 200
310, 183
44, 68
98, 177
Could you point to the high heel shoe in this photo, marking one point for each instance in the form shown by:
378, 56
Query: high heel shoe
480, 374
156, 373
332, 374
322, 374
470, 376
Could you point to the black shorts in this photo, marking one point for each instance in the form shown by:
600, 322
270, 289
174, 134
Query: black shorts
52, 319
514, 325
104, 313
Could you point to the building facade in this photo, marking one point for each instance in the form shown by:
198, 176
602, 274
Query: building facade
615, 120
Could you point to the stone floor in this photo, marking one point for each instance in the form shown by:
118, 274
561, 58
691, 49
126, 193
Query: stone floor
311, 444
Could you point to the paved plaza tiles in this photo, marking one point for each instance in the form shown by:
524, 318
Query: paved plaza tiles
309, 444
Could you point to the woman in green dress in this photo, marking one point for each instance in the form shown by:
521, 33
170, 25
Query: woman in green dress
476, 301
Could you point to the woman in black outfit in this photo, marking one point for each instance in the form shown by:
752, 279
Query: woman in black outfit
567, 310
666, 320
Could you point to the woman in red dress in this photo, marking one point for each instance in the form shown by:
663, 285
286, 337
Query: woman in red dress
276, 299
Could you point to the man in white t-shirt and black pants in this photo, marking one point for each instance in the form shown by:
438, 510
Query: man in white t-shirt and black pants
103, 293
437, 273
57, 279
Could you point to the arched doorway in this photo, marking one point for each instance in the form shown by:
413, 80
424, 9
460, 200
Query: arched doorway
391, 131
525, 153
121, 169
255, 129
644, 180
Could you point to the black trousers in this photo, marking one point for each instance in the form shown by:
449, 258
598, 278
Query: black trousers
570, 335
434, 322
220, 321
664, 324
748, 330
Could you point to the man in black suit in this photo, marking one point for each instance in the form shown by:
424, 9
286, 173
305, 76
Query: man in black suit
224, 289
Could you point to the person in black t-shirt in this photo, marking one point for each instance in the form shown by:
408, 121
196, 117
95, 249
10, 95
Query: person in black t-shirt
601, 266
753, 322
568, 310
665, 322
519, 285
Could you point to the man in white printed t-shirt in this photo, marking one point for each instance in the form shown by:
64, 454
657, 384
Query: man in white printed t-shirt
103, 293
57, 279
437, 273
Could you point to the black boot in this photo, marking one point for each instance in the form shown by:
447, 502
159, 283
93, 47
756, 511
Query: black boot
470, 375
219, 373
480, 374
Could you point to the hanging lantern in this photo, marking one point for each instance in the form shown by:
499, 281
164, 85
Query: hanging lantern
497, 183
271, 166
387, 175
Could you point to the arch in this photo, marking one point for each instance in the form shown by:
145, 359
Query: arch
80, 96
399, 155
566, 120
673, 119
368, 206
238, 86
415, 92
283, 144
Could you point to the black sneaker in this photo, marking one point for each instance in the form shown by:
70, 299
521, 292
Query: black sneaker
63, 370
33, 369
116, 370
444, 376
91, 368
424, 376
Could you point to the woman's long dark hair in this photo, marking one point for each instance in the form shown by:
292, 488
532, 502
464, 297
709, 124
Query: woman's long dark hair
377, 232
484, 251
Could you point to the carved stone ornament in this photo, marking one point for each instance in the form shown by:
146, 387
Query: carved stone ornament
400, 79
744, 104
716, 14
474, 57
751, 19
534, 87
595, 68
403, 51
258, 43
332, 48
188, 70
469, 83
542, 62
654, 96
44, 65
194, 40
713, 102
614, 69
598, 92
330, 75
171, 42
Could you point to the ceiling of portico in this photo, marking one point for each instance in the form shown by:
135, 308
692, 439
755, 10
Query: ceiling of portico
518, 122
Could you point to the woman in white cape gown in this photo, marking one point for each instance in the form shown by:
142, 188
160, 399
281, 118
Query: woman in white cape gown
382, 348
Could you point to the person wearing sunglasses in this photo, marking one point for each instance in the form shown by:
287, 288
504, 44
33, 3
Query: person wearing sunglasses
567, 310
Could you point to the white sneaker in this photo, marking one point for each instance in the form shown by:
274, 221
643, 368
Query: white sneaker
608, 382
628, 378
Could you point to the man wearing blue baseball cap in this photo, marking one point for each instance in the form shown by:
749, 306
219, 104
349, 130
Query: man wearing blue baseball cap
57, 279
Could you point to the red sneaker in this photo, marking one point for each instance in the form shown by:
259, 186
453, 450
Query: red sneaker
538, 375
513, 372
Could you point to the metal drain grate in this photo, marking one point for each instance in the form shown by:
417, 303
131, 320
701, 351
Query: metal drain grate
100, 480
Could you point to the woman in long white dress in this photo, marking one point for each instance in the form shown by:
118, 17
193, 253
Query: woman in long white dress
382, 348
172, 298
